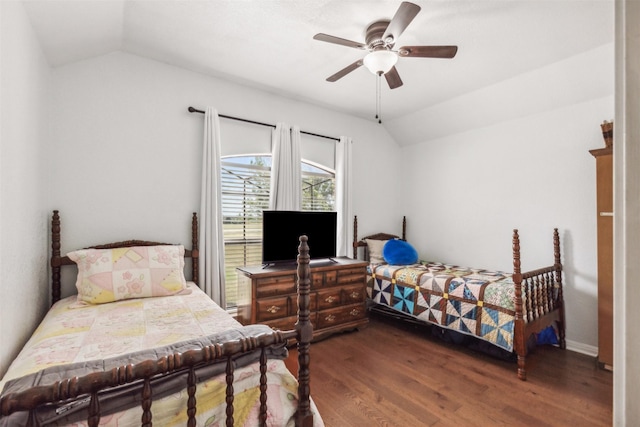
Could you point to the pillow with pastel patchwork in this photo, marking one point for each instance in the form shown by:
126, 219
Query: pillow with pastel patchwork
107, 275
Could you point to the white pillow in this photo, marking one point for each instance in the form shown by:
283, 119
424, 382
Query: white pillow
375, 250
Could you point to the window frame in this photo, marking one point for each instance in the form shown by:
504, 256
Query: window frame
248, 240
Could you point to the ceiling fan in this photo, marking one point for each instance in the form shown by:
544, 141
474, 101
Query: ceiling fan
380, 38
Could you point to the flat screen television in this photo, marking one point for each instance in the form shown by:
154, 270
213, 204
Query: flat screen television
281, 231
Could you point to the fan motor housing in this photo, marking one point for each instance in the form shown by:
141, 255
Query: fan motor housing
374, 33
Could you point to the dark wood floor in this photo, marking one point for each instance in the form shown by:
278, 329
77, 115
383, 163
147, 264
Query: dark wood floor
393, 374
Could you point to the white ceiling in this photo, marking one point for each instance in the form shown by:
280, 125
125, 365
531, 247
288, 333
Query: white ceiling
269, 44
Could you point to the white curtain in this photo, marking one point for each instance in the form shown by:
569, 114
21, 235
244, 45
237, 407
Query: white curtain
211, 238
286, 172
343, 196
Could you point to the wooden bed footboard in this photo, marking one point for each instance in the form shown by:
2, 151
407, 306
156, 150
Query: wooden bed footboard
539, 301
89, 386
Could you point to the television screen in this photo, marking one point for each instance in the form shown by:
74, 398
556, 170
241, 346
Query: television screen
282, 229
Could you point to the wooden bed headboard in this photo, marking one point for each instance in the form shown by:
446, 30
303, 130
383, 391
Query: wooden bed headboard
57, 260
358, 243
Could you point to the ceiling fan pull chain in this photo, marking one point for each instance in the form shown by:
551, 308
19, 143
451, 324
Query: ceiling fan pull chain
377, 85
378, 98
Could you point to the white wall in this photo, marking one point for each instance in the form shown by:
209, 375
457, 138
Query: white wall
465, 192
126, 153
25, 80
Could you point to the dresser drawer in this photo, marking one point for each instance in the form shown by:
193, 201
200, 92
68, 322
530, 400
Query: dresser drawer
337, 316
330, 278
353, 294
274, 308
354, 275
317, 280
321, 279
329, 298
272, 286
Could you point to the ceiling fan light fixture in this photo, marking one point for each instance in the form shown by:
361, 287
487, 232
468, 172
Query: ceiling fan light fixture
380, 61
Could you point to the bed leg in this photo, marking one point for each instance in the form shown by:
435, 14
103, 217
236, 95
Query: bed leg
522, 373
561, 339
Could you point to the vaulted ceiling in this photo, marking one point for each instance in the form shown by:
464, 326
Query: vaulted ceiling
268, 44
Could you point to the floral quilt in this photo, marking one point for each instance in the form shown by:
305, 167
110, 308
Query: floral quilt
73, 335
471, 301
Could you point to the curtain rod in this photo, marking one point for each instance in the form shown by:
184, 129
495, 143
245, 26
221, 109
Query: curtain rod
194, 110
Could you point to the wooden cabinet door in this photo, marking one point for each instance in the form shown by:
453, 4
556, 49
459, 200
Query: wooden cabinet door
604, 165
604, 213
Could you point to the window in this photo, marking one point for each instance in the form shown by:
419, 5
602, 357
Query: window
245, 194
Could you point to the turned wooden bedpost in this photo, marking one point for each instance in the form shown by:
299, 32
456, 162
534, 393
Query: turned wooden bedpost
55, 257
195, 251
558, 276
404, 228
355, 237
303, 326
520, 343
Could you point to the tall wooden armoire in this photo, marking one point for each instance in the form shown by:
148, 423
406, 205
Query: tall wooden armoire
604, 185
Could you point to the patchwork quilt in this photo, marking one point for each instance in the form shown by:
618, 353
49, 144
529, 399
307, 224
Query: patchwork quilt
471, 301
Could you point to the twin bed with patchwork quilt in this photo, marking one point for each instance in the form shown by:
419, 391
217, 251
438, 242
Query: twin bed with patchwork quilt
502, 308
139, 344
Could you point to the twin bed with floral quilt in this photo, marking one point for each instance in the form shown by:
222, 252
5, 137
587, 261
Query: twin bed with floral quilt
140, 344
504, 309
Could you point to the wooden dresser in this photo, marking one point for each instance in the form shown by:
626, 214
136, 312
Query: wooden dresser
338, 294
604, 184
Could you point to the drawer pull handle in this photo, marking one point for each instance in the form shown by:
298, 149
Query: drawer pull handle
355, 295
330, 318
330, 299
273, 309
354, 312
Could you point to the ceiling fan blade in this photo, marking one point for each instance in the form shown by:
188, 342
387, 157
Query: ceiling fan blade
428, 51
403, 17
337, 40
346, 70
393, 78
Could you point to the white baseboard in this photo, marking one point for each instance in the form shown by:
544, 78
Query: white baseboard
579, 347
